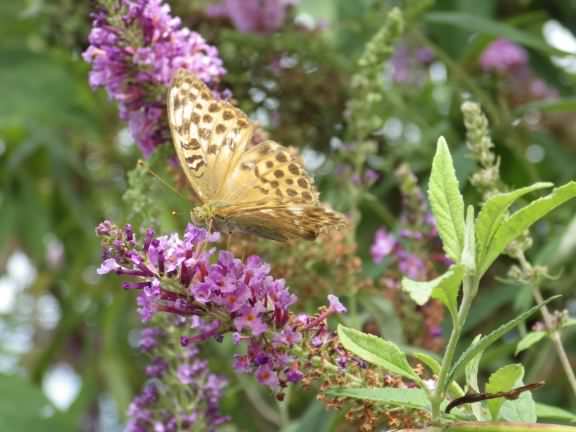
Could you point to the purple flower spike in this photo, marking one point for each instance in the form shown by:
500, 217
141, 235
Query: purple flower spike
336, 305
384, 244
252, 15
137, 59
107, 266
210, 294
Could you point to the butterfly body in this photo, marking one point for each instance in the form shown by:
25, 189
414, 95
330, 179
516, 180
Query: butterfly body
260, 189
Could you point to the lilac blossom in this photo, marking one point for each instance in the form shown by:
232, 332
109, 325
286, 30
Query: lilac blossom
408, 263
384, 244
503, 56
252, 16
136, 46
367, 178
408, 62
213, 294
411, 265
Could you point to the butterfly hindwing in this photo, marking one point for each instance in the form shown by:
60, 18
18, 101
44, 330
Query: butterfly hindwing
284, 223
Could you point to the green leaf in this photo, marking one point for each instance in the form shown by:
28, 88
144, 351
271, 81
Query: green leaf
551, 105
408, 397
384, 314
444, 288
447, 202
554, 413
468, 258
316, 418
377, 351
513, 226
471, 372
503, 380
492, 337
454, 389
568, 323
478, 24
529, 340
522, 409
25, 408
493, 212
428, 360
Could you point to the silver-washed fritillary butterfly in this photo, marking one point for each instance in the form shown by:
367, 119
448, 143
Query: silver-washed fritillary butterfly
260, 189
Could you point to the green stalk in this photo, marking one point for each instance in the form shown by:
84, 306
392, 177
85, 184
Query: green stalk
469, 289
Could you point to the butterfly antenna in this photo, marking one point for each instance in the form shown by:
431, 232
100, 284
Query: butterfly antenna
143, 164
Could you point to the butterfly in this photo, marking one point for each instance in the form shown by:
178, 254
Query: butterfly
260, 188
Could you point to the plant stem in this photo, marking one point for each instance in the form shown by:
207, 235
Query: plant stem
556, 338
283, 409
469, 289
551, 328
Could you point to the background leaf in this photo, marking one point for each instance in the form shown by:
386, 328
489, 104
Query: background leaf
24, 407
497, 29
530, 339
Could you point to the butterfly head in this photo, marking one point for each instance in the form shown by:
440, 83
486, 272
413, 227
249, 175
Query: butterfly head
203, 215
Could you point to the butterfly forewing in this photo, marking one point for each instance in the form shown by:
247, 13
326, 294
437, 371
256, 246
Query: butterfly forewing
208, 134
260, 189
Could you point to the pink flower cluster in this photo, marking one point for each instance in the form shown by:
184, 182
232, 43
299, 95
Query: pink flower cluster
254, 16
409, 264
503, 56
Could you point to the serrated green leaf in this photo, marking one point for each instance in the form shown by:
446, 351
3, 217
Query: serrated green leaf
529, 340
492, 337
444, 288
447, 202
554, 413
377, 351
503, 380
493, 213
515, 225
407, 397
